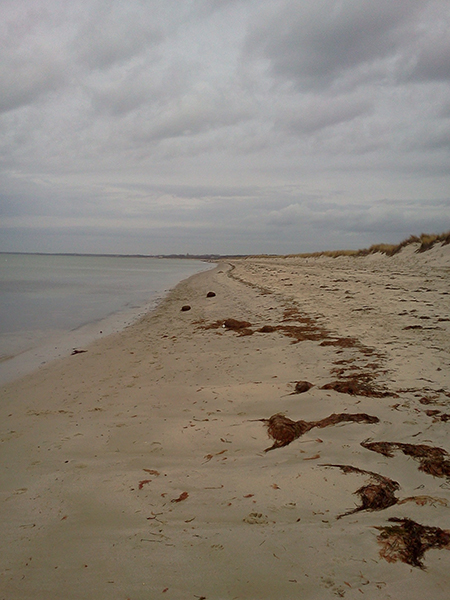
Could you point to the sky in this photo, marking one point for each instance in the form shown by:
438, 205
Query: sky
222, 126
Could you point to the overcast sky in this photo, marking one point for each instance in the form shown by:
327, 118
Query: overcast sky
222, 126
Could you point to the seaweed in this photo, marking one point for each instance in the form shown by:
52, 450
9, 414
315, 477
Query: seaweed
378, 494
433, 460
408, 541
143, 482
235, 324
438, 416
357, 385
284, 430
266, 329
301, 387
301, 333
241, 327
308, 328
181, 497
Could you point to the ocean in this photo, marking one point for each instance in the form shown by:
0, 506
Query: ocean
51, 304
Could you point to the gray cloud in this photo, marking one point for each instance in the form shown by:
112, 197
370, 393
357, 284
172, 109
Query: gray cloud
236, 126
114, 33
319, 112
314, 45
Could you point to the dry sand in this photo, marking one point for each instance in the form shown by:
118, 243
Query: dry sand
137, 469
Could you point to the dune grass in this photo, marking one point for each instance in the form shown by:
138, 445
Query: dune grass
425, 242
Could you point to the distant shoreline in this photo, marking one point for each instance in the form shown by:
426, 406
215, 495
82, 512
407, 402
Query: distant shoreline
426, 241
105, 255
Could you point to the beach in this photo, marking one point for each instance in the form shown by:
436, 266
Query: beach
52, 303
137, 468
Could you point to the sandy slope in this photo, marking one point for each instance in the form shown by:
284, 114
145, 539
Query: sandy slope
137, 469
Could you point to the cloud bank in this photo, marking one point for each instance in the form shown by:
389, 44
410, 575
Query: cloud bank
211, 126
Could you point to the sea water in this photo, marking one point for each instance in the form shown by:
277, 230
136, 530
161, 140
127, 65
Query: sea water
51, 304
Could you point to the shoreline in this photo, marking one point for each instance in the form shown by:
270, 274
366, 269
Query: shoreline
28, 350
137, 469
46, 347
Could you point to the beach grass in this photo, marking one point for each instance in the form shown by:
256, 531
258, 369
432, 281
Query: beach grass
425, 242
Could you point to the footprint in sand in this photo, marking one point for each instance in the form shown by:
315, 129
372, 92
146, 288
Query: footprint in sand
256, 519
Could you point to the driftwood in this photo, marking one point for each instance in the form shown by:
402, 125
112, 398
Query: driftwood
408, 541
284, 431
378, 494
433, 461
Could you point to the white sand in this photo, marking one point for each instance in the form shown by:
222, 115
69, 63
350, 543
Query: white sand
97, 447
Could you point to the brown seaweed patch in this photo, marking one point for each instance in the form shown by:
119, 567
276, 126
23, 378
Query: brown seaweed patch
308, 328
235, 324
213, 325
408, 541
438, 416
423, 500
181, 497
293, 314
302, 386
358, 385
378, 494
267, 329
301, 333
245, 331
230, 324
284, 430
428, 399
433, 460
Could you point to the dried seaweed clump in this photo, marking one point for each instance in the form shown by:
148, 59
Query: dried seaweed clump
308, 328
242, 327
284, 430
301, 387
432, 460
267, 329
300, 333
235, 324
378, 494
438, 416
408, 541
356, 386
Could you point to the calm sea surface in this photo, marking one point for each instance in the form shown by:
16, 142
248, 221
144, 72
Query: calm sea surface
50, 303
